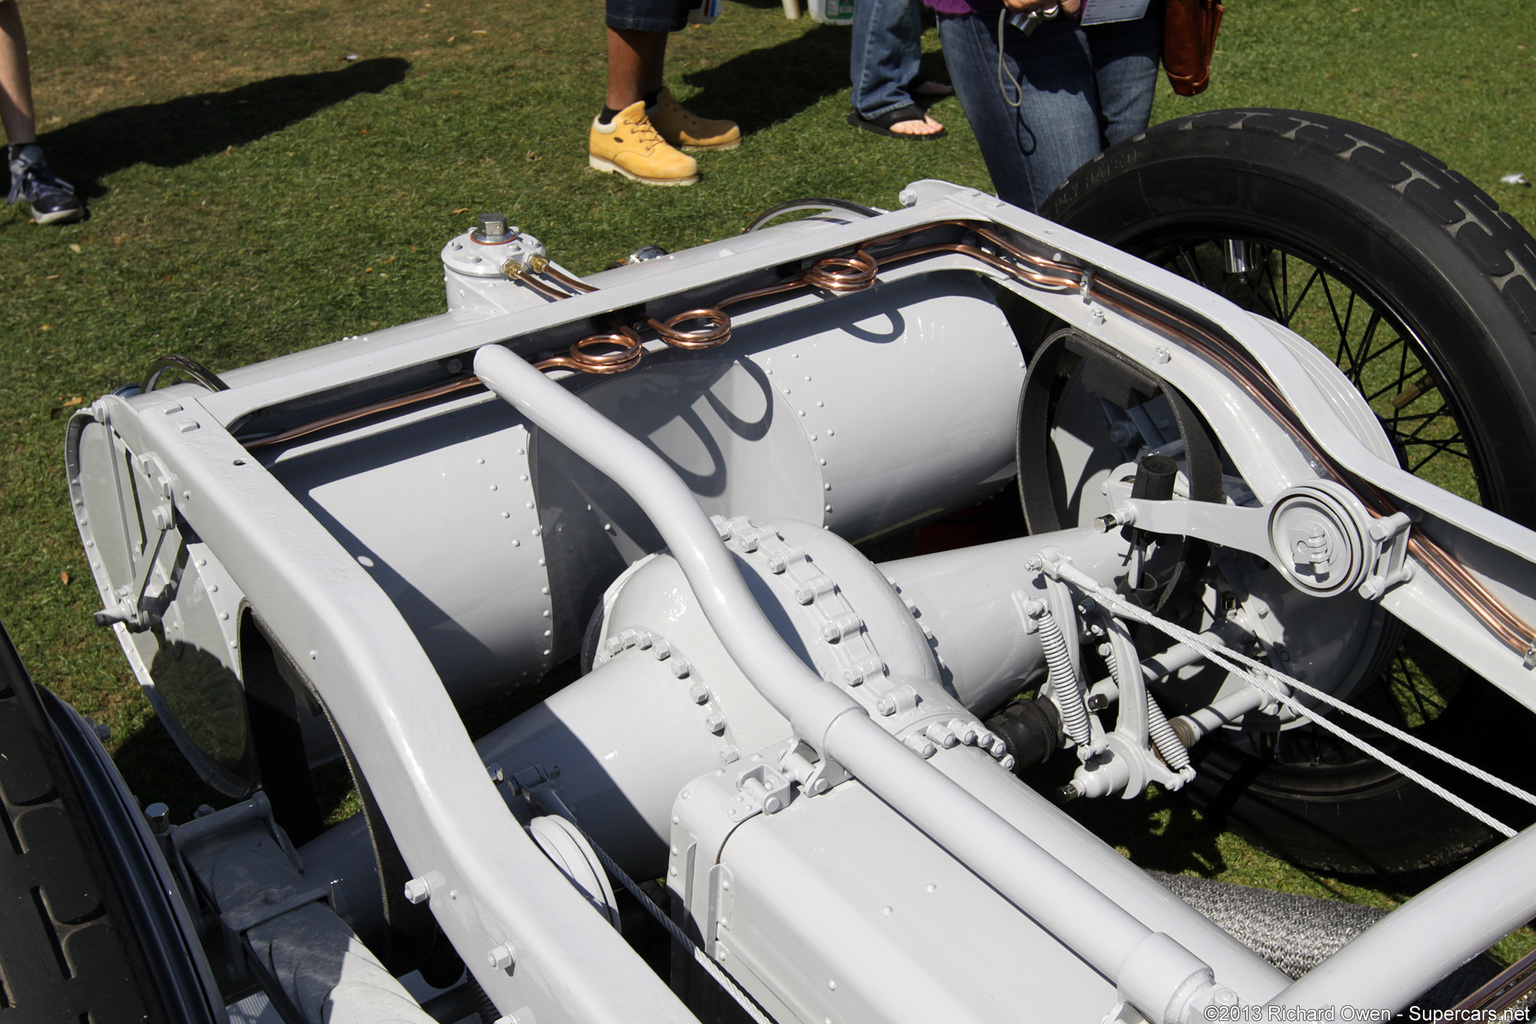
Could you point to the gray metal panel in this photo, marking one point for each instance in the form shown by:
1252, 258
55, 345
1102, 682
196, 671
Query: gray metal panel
837, 907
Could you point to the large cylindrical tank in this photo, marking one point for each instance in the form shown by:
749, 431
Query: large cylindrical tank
496, 543
858, 412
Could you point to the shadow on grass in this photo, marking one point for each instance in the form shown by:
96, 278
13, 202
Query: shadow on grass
804, 71
182, 130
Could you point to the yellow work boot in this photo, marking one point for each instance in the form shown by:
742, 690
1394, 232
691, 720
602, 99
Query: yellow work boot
630, 145
687, 130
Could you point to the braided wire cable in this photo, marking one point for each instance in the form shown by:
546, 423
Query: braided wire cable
1265, 678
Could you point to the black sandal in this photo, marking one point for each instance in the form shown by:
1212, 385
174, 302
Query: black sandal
881, 124
929, 88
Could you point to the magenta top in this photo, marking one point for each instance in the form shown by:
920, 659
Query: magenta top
964, 6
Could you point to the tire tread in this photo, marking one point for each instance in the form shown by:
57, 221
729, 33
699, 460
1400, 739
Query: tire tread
64, 957
1497, 242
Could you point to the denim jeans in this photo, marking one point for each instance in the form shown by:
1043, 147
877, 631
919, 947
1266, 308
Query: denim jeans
1081, 90
647, 15
887, 47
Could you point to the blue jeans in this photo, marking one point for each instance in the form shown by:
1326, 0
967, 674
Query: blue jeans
887, 48
1081, 90
647, 15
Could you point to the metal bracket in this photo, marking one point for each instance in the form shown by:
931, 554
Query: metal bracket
136, 609
1390, 565
814, 777
759, 788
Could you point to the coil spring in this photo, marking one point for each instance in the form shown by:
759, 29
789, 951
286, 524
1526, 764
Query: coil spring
1172, 750
1063, 680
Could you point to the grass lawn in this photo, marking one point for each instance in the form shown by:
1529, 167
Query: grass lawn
273, 175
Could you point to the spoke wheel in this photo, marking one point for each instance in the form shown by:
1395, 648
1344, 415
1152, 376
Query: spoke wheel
1418, 288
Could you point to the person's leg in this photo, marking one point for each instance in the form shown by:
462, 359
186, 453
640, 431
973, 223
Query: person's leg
1034, 136
15, 78
883, 59
1125, 60
636, 58
622, 139
51, 199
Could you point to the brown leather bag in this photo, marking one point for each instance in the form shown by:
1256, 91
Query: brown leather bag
1189, 40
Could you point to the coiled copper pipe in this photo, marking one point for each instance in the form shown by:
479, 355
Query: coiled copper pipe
715, 329
614, 352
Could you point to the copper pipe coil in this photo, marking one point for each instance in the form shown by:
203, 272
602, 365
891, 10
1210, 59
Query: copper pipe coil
842, 274
717, 329
614, 352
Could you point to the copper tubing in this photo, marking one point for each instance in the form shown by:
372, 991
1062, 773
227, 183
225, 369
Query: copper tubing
842, 274
573, 285
337, 419
522, 275
599, 353
715, 329
836, 274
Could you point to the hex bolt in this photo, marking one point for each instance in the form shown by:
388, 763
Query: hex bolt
501, 957
680, 667
699, 693
417, 890
159, 817
490, 227
1097, 702
715, 722
497, 775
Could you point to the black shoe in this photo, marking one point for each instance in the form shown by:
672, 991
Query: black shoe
53, 200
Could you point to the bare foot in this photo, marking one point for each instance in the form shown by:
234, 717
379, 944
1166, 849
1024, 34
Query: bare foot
927, 126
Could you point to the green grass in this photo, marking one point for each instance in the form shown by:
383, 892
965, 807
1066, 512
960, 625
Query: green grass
271, 176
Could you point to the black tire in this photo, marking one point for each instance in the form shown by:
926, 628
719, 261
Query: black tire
68, 951
1443, 284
